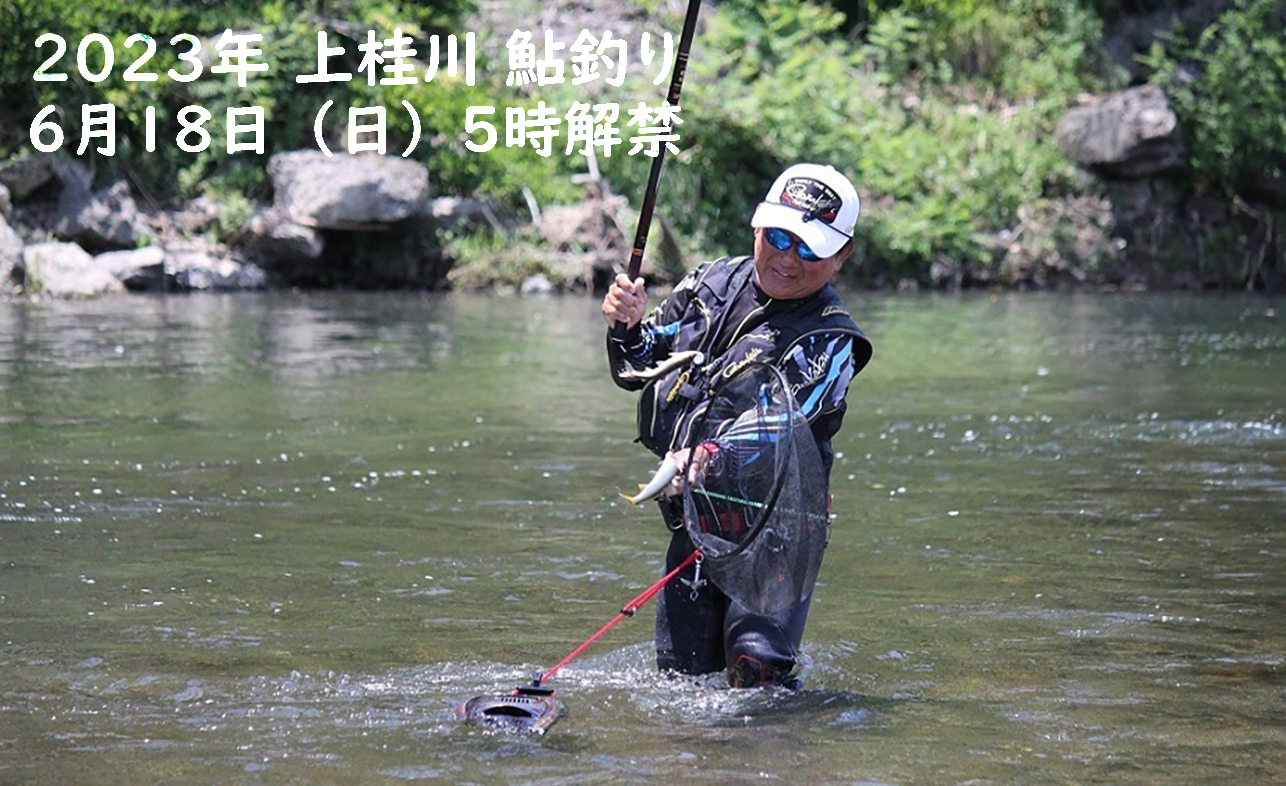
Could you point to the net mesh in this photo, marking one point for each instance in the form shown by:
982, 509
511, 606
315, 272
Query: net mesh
758, 515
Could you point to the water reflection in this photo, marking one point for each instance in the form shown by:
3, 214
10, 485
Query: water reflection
283, 537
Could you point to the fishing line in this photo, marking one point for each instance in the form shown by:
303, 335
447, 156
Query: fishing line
756, 504
533, 707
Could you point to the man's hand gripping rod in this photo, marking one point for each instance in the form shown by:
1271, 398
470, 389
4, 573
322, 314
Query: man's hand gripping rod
619, 329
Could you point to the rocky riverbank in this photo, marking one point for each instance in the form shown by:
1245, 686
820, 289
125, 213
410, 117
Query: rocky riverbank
364, 221
1134, 219
370, 221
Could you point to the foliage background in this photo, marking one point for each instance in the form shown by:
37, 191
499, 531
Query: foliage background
941, 110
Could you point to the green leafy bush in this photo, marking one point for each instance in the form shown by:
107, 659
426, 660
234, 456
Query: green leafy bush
942, 167
1229, 90
289, 30
1017, 48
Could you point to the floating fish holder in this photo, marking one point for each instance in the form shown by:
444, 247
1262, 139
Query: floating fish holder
526, 710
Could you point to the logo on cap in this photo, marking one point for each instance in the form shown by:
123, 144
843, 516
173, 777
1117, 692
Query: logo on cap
813, 197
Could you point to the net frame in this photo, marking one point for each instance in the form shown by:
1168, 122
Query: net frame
763, 526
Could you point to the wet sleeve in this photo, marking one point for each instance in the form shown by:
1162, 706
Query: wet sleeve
650, 341
819, 370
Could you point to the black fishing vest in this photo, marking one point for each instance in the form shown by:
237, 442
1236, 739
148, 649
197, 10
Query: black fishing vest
766, 334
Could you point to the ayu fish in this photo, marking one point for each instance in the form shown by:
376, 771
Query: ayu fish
664, 474
677, 360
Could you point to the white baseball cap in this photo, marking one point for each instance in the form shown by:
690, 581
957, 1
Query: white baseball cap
816, 203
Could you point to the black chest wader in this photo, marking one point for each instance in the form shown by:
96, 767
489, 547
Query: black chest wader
767, 333
699, 630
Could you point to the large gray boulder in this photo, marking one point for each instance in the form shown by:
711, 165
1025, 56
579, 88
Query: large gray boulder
199, 271
1131, 134
100, 220
364, 191
65, 270
10, 252
24, 176
6, 204
141, 269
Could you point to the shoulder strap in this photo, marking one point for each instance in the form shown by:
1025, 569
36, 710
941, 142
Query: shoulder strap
718, 269
833, 319
736, 282
720, 286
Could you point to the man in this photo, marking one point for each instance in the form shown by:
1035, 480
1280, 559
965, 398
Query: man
777, 306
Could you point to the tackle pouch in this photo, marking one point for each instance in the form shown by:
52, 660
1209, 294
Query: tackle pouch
664, 404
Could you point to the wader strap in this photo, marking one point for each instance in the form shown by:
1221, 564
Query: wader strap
735, 284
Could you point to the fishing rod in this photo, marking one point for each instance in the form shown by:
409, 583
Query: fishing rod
627, 611
533, 707
658, 164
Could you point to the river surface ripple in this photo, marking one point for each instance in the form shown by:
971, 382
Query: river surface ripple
281, 538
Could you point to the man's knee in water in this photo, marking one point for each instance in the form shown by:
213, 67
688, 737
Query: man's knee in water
750, 672
761, 658
762, 650
668, 663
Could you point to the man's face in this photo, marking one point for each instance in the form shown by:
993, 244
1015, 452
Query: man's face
782, 275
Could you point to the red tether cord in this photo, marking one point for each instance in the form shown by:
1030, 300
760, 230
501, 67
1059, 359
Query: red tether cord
629, 610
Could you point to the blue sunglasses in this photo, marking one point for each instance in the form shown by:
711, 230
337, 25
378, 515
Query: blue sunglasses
781, 240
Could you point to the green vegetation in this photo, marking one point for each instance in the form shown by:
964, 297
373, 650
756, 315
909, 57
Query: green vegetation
941, 110
949, 133
289, 47
1229, 87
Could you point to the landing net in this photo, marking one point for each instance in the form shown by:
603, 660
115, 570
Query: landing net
758, 516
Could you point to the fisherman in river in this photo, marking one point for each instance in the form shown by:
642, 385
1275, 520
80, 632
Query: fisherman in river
778, 307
